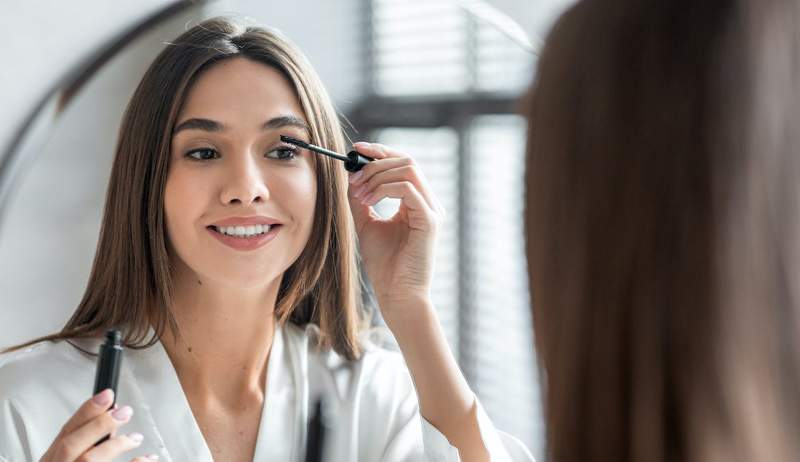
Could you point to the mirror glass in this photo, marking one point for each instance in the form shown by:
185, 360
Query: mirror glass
437, 79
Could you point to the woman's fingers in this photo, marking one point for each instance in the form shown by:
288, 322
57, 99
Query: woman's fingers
83, 438
90, 409
376, 150
393, 167
394, 175
113, 447
377, 166
420, 216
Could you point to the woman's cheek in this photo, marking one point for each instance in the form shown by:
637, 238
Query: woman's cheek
183, 194
304, 196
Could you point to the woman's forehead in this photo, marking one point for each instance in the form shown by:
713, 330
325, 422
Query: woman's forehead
240, 91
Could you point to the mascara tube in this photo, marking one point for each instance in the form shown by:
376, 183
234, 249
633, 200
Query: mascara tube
315, 444
108, 364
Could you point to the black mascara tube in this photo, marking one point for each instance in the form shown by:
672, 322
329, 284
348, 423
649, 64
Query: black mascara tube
108, 364
315, 444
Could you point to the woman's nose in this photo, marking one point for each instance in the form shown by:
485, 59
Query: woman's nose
244, 183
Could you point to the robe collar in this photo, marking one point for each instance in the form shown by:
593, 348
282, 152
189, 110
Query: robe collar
150, 385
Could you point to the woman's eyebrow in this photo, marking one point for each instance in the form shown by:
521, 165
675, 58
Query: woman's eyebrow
209, 125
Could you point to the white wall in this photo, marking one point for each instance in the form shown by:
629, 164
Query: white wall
43, 40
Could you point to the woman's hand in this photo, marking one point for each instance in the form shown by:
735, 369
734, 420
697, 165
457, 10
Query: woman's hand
398, 255
91, 422
397, 252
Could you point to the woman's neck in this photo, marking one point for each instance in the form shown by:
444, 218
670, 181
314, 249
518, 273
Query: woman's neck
225, 339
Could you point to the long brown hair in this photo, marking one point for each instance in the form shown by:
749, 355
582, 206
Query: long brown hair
130, 281
663, 230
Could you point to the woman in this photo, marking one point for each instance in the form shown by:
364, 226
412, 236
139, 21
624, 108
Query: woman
662, 230
228, 259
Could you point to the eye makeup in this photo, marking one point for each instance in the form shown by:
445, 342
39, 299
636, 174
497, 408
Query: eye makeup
353, 161
192, 154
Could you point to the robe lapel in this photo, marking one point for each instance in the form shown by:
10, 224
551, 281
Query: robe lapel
150, 385
281, 427
162, 406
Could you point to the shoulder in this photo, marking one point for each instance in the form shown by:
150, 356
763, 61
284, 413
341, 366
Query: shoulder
40, 387
33, 372
379, 351
380, 371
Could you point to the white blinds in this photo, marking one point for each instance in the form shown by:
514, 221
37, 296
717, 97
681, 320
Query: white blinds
435, 150
429, 51
423, 47
481, 294
497, 337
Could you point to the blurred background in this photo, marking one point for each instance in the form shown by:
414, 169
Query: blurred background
438, 79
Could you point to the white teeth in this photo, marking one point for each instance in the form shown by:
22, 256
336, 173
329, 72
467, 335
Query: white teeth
244, 231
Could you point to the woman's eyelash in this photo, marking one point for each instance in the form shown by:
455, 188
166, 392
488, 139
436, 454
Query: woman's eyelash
191, 153
292, 150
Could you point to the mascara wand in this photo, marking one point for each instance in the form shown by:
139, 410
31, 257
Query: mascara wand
353, 161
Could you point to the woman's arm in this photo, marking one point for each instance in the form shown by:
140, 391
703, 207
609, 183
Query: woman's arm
398, 255
445, 398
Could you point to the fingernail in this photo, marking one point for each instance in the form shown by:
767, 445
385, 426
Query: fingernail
152, 457
360, 144
357, 192
136, 437
104, 397
356, 176
123, 413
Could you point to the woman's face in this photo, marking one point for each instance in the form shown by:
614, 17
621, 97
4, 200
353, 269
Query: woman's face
230, 173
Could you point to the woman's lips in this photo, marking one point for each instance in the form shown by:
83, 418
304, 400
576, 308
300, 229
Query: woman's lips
245, 243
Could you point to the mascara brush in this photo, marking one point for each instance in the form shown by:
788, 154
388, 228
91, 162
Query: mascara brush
353, 161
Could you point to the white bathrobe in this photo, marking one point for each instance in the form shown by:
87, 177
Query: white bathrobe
372, 405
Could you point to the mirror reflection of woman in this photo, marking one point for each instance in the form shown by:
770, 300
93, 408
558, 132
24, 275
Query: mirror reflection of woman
229, 259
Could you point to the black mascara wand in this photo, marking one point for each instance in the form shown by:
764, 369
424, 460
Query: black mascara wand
353, 161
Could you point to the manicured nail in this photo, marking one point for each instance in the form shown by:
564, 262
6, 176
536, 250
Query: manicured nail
104, 397
136, 437
356, 176
361, 144
122, 414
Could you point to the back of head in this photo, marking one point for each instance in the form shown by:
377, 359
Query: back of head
662, 241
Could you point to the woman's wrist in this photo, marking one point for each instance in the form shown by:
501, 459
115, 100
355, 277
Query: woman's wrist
406, 315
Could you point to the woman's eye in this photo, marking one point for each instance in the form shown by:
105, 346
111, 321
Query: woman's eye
283, 153
202, 154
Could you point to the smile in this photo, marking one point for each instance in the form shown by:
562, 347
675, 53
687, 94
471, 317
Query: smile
245, 237
242, 231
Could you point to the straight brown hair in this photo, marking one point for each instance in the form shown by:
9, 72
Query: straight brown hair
130, 286
663, 182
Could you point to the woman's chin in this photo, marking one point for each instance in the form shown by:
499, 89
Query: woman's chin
245, 279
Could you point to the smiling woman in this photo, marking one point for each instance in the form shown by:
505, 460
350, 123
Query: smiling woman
228, 259
248, 177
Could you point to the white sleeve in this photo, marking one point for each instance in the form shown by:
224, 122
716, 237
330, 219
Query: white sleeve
501, 446
413, 427
13, 446
394, 419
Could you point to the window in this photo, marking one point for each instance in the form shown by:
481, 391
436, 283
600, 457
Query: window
443, 86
